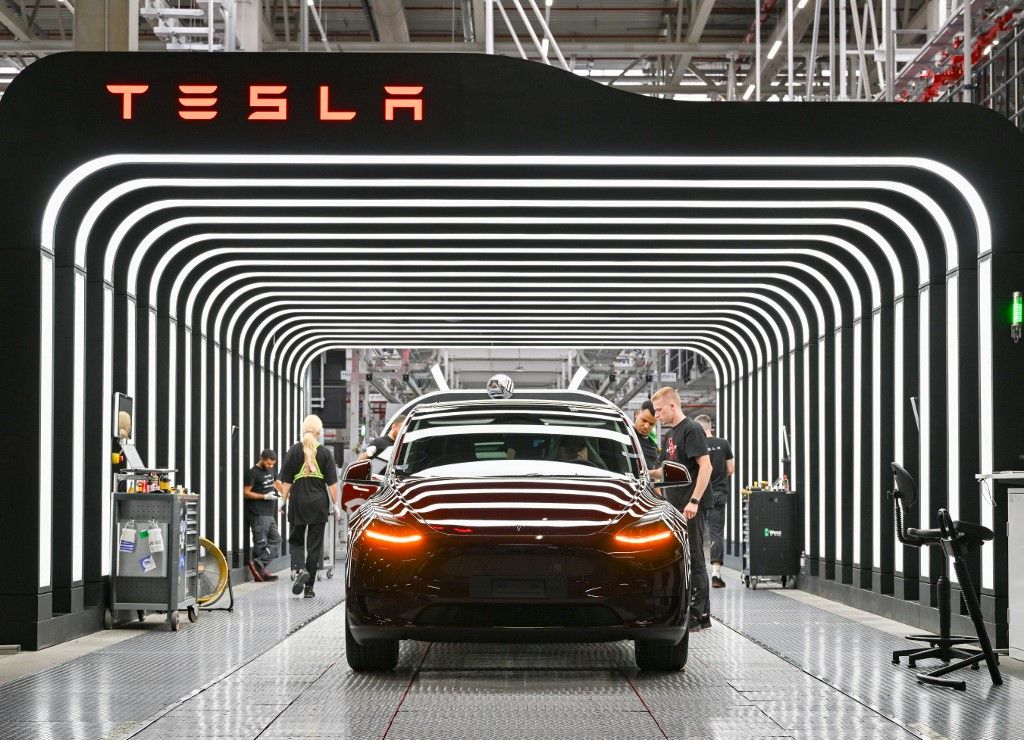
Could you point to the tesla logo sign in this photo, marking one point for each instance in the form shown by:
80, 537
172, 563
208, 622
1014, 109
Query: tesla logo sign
270, 102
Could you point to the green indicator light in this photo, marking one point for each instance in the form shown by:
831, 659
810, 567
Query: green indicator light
1016, 316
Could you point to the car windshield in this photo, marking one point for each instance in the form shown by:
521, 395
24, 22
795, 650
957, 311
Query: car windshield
517, 442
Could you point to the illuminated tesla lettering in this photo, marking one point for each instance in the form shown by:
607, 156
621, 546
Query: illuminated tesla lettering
326, 114
198, 102
403, 101
265, 107
126, 92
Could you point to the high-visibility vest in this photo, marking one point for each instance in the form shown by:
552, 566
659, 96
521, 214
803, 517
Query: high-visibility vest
304, 473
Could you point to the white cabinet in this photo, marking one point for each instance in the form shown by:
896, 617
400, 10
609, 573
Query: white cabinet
1015, 553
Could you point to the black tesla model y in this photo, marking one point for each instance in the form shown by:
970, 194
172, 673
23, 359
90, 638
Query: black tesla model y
515, 519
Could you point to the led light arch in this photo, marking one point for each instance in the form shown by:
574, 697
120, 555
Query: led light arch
866, 254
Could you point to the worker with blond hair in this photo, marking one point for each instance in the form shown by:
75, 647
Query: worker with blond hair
686, 444
309, 480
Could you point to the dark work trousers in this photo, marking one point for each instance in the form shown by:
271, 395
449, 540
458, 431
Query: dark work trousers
308, 539
716, 525
700, 605
266, 539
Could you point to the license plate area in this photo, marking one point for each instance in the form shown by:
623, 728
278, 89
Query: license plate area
495, 587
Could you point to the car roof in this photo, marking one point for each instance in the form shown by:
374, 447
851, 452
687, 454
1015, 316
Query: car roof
525, 399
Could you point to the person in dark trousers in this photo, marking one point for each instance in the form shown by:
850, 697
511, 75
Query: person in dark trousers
260, 490
686, 444
643, 423
309, 478
722, 468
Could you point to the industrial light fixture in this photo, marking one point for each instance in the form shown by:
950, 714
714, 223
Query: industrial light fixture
775, 48
801, 5
748, 92
548, 3
1016, 316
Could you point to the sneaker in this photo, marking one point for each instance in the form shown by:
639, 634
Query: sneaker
307, 592
257, 571
717, 582
694, 628
268, 576
301, 579
705, 624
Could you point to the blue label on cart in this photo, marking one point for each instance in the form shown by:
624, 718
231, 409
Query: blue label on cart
181, 562
125, 546
147, 564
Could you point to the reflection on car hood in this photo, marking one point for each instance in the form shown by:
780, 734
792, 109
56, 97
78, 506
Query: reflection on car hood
544, 506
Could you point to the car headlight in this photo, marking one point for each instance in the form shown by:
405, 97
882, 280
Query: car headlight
382, 532
645, 534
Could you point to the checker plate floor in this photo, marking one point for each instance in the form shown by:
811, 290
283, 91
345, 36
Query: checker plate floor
275, 668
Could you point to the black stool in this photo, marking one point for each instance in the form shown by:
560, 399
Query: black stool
955, 538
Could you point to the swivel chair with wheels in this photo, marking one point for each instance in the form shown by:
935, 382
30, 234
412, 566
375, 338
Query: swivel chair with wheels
955, 538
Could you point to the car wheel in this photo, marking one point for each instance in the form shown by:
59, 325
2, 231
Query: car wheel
375, 655
656, 656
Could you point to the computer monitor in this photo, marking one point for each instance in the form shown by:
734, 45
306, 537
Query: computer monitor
124, 418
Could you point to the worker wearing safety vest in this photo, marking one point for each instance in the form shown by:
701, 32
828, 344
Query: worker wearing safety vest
309, 478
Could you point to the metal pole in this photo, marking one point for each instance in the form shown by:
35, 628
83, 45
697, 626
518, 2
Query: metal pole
354, 406
812, 55
488, 26
512, 31
757, 49
889, 32
842, 50
547, 33
968, 44
529, 29
789, 49
730, 89
304, 25
831, 50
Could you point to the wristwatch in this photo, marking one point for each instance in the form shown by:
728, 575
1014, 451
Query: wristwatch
695, 500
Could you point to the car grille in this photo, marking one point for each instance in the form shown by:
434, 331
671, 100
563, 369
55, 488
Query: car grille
517, 615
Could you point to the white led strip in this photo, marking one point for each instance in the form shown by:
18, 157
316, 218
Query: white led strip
973, 200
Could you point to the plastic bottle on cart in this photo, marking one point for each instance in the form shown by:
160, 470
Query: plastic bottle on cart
785, 482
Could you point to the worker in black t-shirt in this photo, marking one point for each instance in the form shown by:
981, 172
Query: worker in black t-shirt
722, 467
309, 478
260, 490
377, 446
643, 423
686, 443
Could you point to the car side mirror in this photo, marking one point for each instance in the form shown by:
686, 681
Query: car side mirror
357, 486
674, 473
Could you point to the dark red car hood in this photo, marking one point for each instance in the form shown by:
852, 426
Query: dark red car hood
518, 506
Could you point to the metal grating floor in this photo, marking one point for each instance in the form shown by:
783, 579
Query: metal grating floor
258, 674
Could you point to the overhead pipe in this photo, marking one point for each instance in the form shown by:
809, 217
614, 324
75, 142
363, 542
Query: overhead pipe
607, 382
388, 395
632, 391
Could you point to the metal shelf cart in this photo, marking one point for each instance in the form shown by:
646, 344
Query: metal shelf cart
155, 555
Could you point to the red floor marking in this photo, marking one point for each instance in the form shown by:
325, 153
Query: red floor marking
646, 705
412, 680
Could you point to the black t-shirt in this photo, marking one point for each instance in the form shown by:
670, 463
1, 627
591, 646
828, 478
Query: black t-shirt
379, 445
650, 451
262, 481
308, 502
685, 443
720, 452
